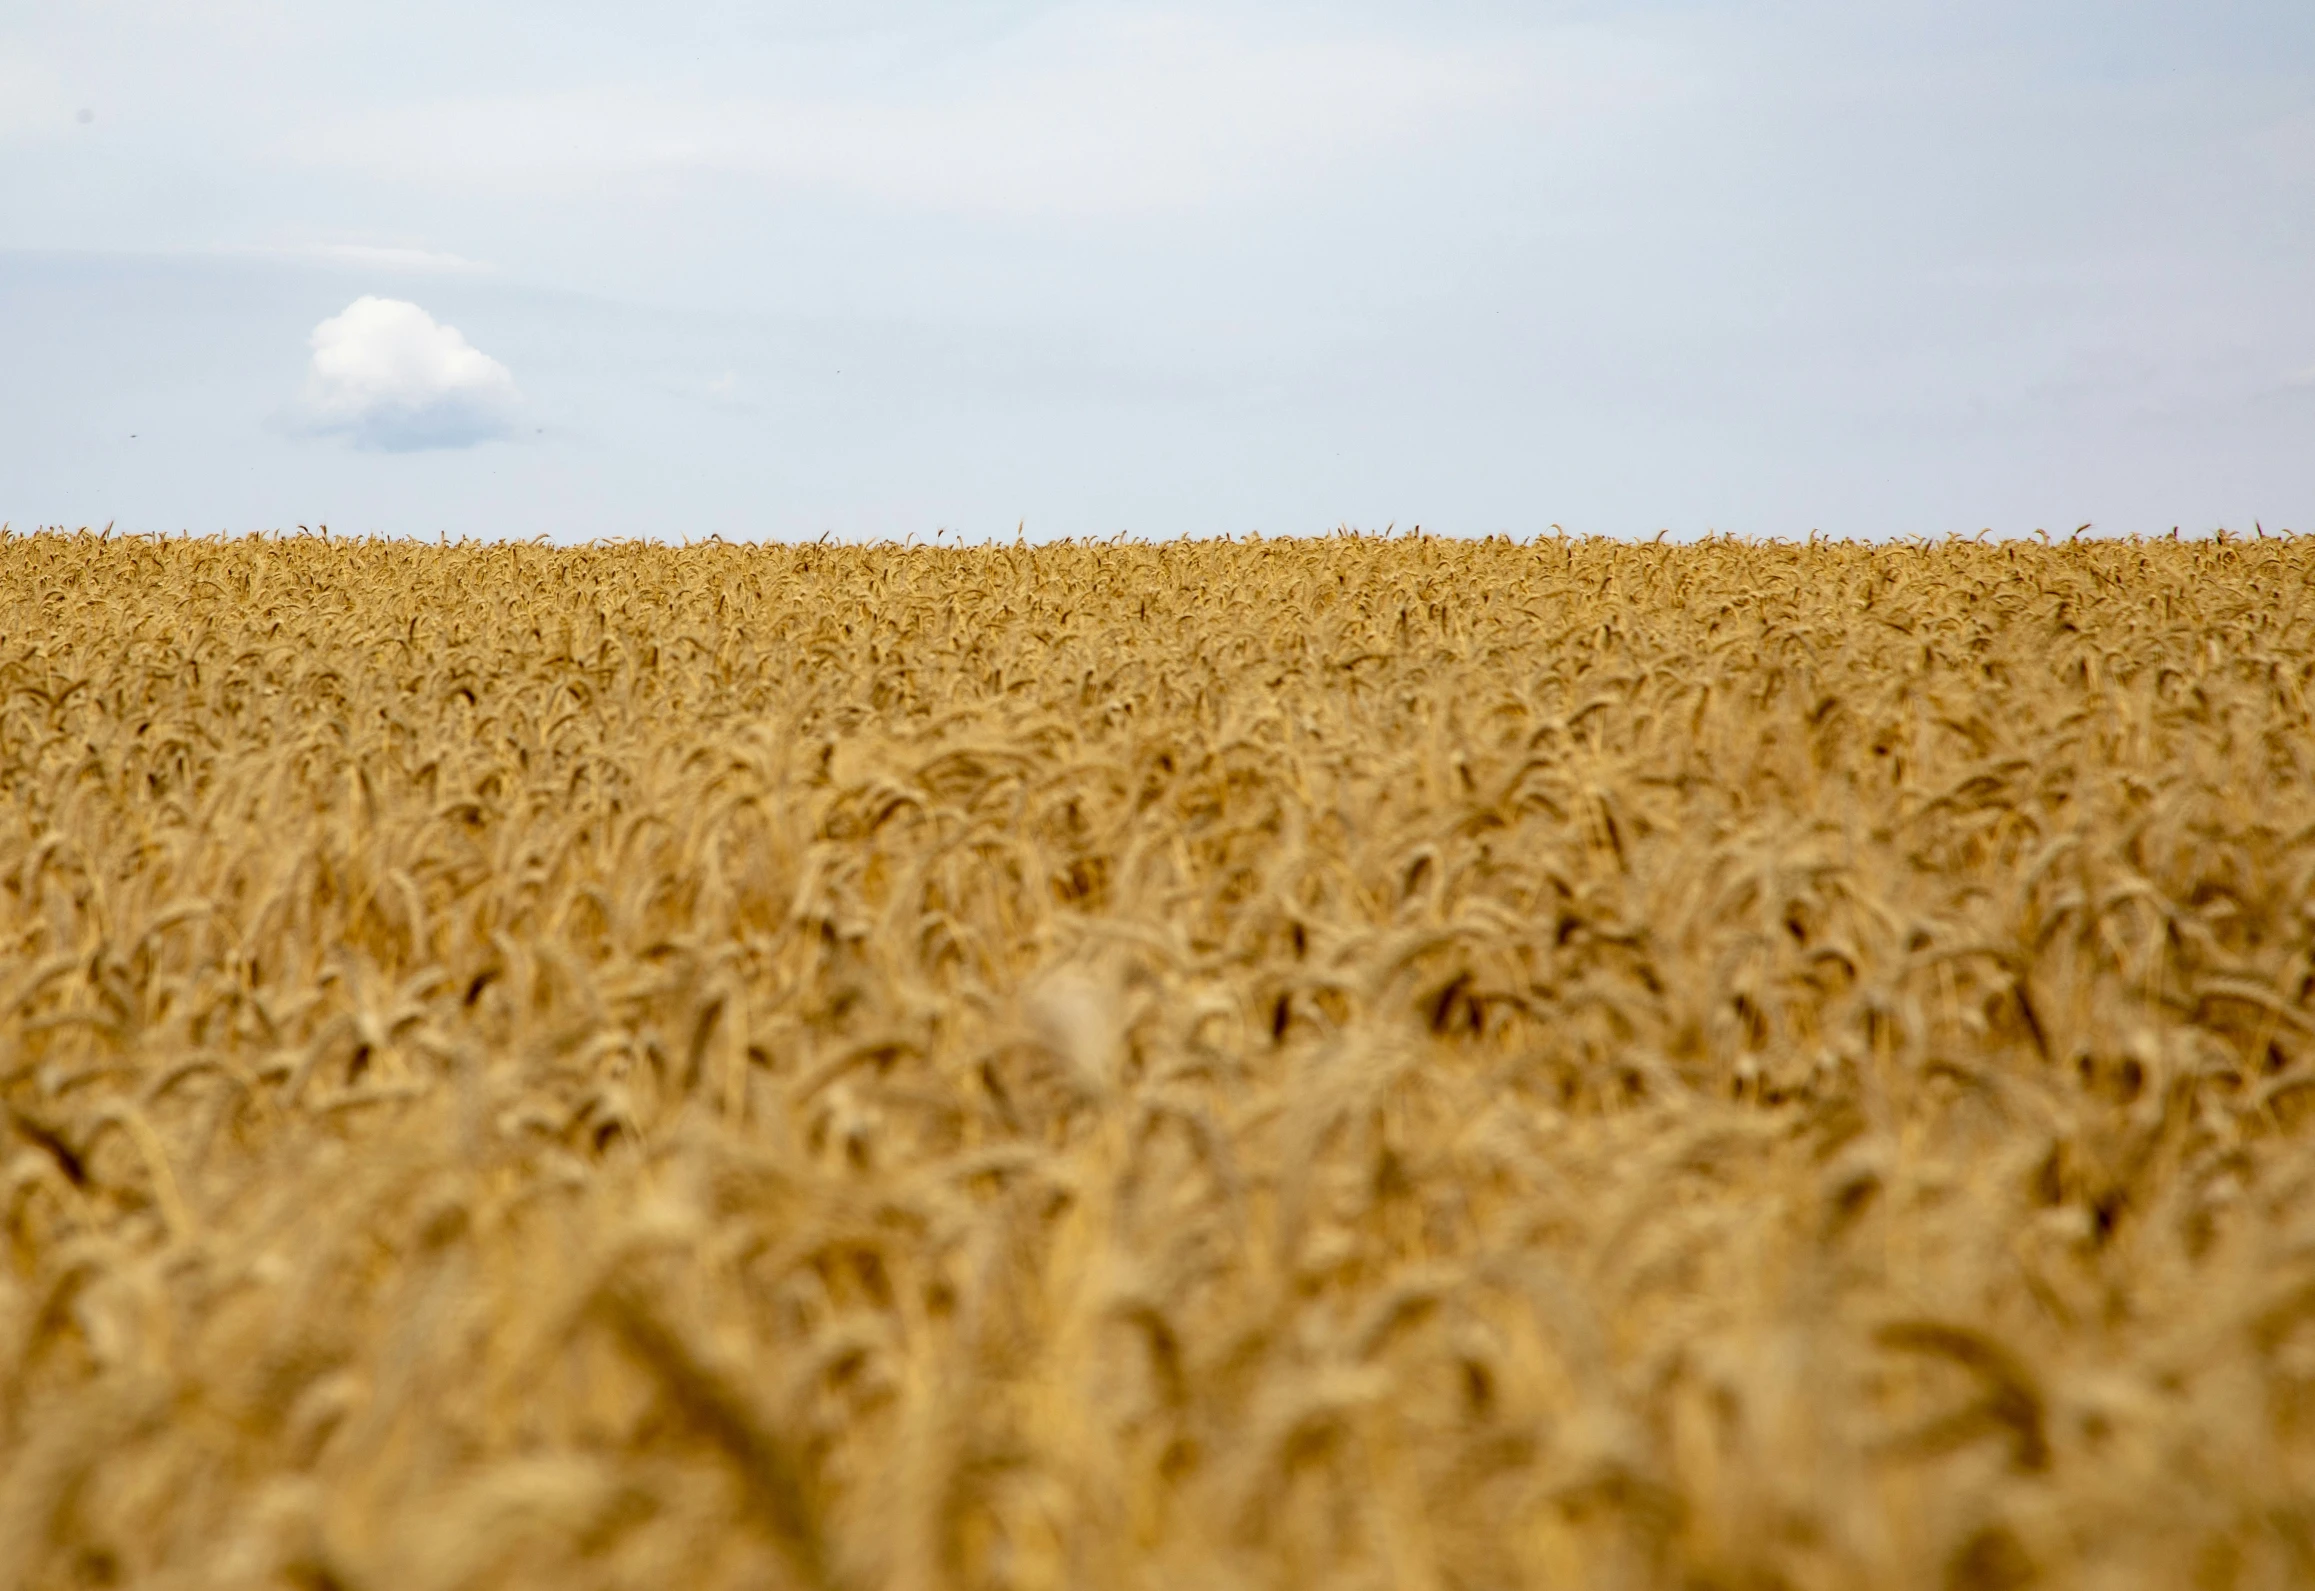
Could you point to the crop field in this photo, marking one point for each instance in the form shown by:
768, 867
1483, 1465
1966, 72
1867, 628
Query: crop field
1362, 1062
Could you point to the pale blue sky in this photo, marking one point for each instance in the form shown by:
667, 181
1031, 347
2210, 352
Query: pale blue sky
1876, 269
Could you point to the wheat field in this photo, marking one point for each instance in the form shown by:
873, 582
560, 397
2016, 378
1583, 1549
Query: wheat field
1356, 1063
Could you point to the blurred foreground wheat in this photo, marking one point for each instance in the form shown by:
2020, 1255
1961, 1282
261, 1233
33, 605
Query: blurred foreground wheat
1352, 1063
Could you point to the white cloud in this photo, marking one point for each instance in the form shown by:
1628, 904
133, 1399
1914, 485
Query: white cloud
387, 376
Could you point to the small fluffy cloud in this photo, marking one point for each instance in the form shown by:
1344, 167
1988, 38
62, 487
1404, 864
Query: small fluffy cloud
386, 375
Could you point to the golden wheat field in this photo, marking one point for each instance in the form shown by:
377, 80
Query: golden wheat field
1351, 1063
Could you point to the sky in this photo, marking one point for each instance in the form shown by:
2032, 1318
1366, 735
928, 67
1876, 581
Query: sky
983, 268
